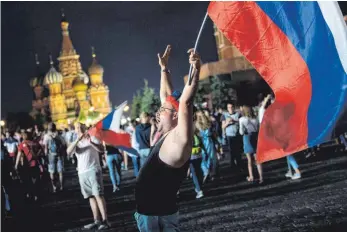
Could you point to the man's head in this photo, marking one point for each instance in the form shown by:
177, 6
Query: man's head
230, 108
70, 127
7, 134
167, 115
51, 127
80, 128
27, 135
144, 118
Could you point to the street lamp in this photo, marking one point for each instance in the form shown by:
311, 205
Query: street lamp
2, 123
126, 108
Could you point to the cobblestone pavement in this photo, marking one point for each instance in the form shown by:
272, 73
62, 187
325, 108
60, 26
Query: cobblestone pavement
317, 202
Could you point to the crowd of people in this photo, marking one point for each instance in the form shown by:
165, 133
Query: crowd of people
168, 149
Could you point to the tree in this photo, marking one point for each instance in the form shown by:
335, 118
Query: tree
136, 105
203, 89
150, 101
217, 89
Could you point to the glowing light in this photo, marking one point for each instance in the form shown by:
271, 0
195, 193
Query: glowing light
126, 108
123, 121
91, 109
137, 119
2, 123
129, 119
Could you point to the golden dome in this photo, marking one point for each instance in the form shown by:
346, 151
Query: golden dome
53, 76
80, 83
95, 68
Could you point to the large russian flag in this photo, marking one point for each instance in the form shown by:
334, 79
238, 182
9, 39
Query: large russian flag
300, 49
108, 130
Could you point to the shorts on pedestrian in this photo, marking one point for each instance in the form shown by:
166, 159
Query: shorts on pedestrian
91, 183
55, 164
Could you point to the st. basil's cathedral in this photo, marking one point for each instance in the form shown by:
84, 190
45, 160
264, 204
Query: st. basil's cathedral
59, 96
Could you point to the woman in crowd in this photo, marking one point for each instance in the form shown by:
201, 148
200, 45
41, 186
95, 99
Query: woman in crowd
210, 162
249, 130
114, 159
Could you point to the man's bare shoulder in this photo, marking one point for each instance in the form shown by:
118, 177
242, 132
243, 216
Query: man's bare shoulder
174, 151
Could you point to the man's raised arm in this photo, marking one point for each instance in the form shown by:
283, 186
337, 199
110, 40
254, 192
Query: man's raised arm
165, 76
185, 112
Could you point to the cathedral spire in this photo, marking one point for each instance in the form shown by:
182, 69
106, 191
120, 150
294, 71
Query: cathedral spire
93, 52
67, 47
37, 59
50, 60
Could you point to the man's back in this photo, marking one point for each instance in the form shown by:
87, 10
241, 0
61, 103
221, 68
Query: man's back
143, 134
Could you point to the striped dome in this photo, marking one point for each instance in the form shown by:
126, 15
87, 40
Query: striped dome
53, 76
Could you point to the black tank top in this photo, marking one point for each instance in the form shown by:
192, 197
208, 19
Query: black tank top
157, 185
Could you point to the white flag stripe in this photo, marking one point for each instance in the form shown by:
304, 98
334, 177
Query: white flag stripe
117, 115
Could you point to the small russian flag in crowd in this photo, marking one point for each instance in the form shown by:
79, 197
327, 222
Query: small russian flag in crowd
108, 130
300, 49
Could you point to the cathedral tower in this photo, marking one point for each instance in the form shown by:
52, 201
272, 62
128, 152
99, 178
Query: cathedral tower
70, 67
99, 92
54, 81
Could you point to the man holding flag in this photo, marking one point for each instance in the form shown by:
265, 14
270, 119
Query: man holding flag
87, 149
166, 167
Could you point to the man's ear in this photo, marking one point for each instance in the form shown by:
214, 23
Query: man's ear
175, 115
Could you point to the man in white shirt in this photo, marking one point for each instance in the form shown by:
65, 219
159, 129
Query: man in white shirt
87, 150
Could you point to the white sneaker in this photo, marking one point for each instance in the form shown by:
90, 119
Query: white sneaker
104, 225
289, 175
115, 189
296, 176
92, 225
199, 195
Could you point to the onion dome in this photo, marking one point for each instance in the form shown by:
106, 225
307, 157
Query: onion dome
38, 79
53, 76
95, 68
80, 83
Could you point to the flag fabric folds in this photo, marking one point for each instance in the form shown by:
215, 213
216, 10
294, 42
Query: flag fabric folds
300, 49
108, 130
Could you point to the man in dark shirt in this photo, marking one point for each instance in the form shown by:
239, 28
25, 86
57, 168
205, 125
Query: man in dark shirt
161, 176
143, 137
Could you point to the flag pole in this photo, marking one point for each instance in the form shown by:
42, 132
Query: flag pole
195, 47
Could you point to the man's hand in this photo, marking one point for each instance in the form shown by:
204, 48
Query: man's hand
164, 60
194, 59
190, 90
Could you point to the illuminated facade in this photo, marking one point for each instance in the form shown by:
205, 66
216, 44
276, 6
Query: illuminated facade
71, 89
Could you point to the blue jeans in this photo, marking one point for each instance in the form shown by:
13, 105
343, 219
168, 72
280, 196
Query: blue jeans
143, 155
195, 170
112, 166
135, 161
157, 223
292, 162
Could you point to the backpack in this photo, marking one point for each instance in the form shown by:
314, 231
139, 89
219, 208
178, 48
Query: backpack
54, 146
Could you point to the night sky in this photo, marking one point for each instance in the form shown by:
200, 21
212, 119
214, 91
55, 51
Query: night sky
126, 35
